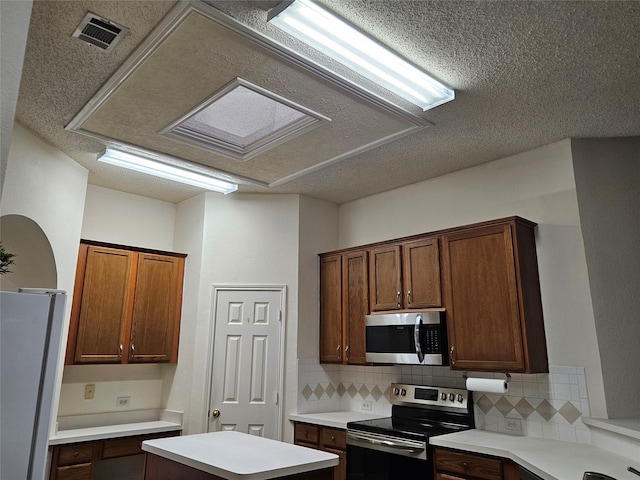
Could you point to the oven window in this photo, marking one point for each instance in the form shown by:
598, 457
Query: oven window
367, 464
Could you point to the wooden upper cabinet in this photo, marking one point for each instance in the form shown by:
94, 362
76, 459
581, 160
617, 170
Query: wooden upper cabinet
355, 305
421, 274
101, 300
344, 302
156, 308
405, 275
126, 306
385, 280
331, 309
492, 298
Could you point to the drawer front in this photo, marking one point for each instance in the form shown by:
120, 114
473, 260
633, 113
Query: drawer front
74, 472
124, 446
333, 438
74, 454
306, 433
468, 465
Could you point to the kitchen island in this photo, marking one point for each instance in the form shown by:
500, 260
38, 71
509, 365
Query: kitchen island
233, 456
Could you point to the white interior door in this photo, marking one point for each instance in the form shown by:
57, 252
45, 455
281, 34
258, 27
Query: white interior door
246, 378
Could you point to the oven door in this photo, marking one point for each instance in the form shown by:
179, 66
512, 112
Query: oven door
381, 457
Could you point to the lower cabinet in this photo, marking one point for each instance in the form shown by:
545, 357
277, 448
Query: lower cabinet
459, 465
332, 440
76, 461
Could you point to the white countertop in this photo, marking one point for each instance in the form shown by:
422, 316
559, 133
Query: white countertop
549, 459
239, 456
629, 427
337, 419
112, 431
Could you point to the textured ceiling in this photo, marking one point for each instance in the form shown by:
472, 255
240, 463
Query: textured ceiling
526, 74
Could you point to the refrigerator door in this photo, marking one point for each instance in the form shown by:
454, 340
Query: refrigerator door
30, 336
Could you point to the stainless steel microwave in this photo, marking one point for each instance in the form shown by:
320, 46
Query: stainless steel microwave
417, 338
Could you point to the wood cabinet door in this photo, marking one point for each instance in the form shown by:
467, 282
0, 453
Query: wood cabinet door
355, 305
331, 309
157, 301
385, 287
421, 274
103, 312
340, 471
482, 305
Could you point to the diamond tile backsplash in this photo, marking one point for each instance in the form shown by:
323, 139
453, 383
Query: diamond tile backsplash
547, 405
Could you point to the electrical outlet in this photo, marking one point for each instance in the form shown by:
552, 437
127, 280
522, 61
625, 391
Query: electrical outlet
123, 401
513, 424
89, 391
367, 405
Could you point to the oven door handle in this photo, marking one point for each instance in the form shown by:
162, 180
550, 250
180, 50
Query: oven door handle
416, 338
404, 445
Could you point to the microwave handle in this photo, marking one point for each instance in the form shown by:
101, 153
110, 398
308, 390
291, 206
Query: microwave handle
416, 338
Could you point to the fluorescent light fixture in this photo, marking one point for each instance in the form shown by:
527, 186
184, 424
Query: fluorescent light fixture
158, 168
337, 39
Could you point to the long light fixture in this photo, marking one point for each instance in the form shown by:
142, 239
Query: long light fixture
158, 168
339, 40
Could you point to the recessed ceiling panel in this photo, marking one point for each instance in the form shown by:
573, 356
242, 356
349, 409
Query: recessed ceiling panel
242, 121
159, 100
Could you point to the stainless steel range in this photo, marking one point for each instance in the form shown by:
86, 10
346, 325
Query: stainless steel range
396, 446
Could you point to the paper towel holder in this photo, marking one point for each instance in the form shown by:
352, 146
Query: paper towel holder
507, 376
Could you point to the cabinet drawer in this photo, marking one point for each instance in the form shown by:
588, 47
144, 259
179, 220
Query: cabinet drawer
74, 472
306, 433
468, 465
74, 454
122, 447
334, 438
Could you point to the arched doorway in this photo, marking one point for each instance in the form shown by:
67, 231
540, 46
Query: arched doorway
35, 265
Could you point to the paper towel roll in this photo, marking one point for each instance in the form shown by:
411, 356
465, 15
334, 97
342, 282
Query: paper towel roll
490, 385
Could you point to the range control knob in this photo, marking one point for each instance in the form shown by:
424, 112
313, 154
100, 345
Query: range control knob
396, 391
460, 398
403, 392
443, 396
452, 396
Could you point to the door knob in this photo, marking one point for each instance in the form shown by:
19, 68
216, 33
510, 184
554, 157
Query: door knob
215, 413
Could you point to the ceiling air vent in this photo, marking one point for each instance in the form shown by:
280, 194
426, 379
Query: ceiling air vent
99, 32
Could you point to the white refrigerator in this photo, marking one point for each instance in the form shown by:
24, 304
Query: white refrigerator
30, 336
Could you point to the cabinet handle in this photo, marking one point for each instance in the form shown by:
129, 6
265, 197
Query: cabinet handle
338, 351
409, 297
453, 358
398, 298
346, 352
120, 352
133, 351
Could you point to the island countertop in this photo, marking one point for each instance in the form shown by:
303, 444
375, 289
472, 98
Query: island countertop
239, 456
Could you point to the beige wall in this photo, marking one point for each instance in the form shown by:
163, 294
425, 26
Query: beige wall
127, 219
43, 184
608, 184
537, 185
